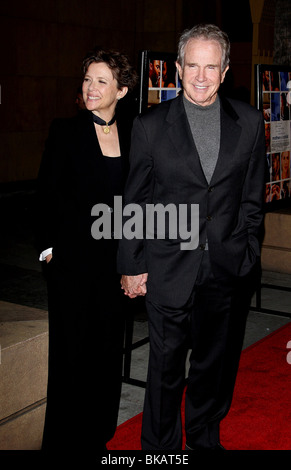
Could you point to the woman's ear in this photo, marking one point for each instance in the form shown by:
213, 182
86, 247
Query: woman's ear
121, 93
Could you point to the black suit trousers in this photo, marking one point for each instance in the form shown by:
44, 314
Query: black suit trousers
212, 326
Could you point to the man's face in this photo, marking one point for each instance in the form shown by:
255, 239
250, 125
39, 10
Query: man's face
155, 72
201, 74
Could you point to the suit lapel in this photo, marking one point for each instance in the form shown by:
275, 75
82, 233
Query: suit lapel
85, 138
124, 134
179, 133
230, 134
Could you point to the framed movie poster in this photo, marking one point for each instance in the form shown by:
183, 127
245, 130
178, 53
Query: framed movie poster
159, 78
274, 100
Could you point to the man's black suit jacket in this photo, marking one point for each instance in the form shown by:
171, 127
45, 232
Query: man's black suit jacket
165, 168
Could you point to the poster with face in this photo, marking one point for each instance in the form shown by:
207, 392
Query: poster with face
160, 81
274, 100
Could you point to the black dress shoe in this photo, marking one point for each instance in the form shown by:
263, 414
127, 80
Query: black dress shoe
217, 447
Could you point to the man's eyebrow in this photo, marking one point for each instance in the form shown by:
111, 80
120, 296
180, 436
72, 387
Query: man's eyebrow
207, 65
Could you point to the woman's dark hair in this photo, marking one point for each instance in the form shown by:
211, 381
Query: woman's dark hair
118, 63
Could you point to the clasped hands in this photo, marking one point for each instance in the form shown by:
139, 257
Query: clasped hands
134, 286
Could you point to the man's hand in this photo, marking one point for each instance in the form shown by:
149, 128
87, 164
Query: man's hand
134, 286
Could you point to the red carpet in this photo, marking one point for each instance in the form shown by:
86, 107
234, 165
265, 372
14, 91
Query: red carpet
260, 415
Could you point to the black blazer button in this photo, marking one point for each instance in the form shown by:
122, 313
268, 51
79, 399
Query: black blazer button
202, 247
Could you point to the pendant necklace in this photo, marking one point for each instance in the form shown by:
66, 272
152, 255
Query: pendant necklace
101, 122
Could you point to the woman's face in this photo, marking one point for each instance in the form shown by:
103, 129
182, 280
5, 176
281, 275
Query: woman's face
285, 161
275, 164
100, 90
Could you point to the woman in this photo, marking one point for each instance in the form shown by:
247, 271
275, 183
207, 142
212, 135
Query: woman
84, 163
285, 165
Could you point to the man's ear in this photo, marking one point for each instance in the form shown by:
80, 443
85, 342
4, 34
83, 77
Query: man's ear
180, 70
224, 73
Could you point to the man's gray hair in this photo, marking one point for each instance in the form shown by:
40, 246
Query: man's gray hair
209, 32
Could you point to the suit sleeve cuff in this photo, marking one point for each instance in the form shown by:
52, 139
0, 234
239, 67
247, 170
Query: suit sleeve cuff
45, 253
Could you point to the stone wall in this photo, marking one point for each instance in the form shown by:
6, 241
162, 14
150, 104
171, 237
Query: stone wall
42, 45
282, 34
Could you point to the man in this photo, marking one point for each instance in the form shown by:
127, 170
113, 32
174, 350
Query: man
196, 149
154, 73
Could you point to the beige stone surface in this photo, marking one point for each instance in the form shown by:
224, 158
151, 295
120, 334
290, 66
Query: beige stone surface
23, 375
23, 432
10, 312
278, 230
23, 369
276, 250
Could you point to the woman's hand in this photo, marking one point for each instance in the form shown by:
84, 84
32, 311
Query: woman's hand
48, 257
